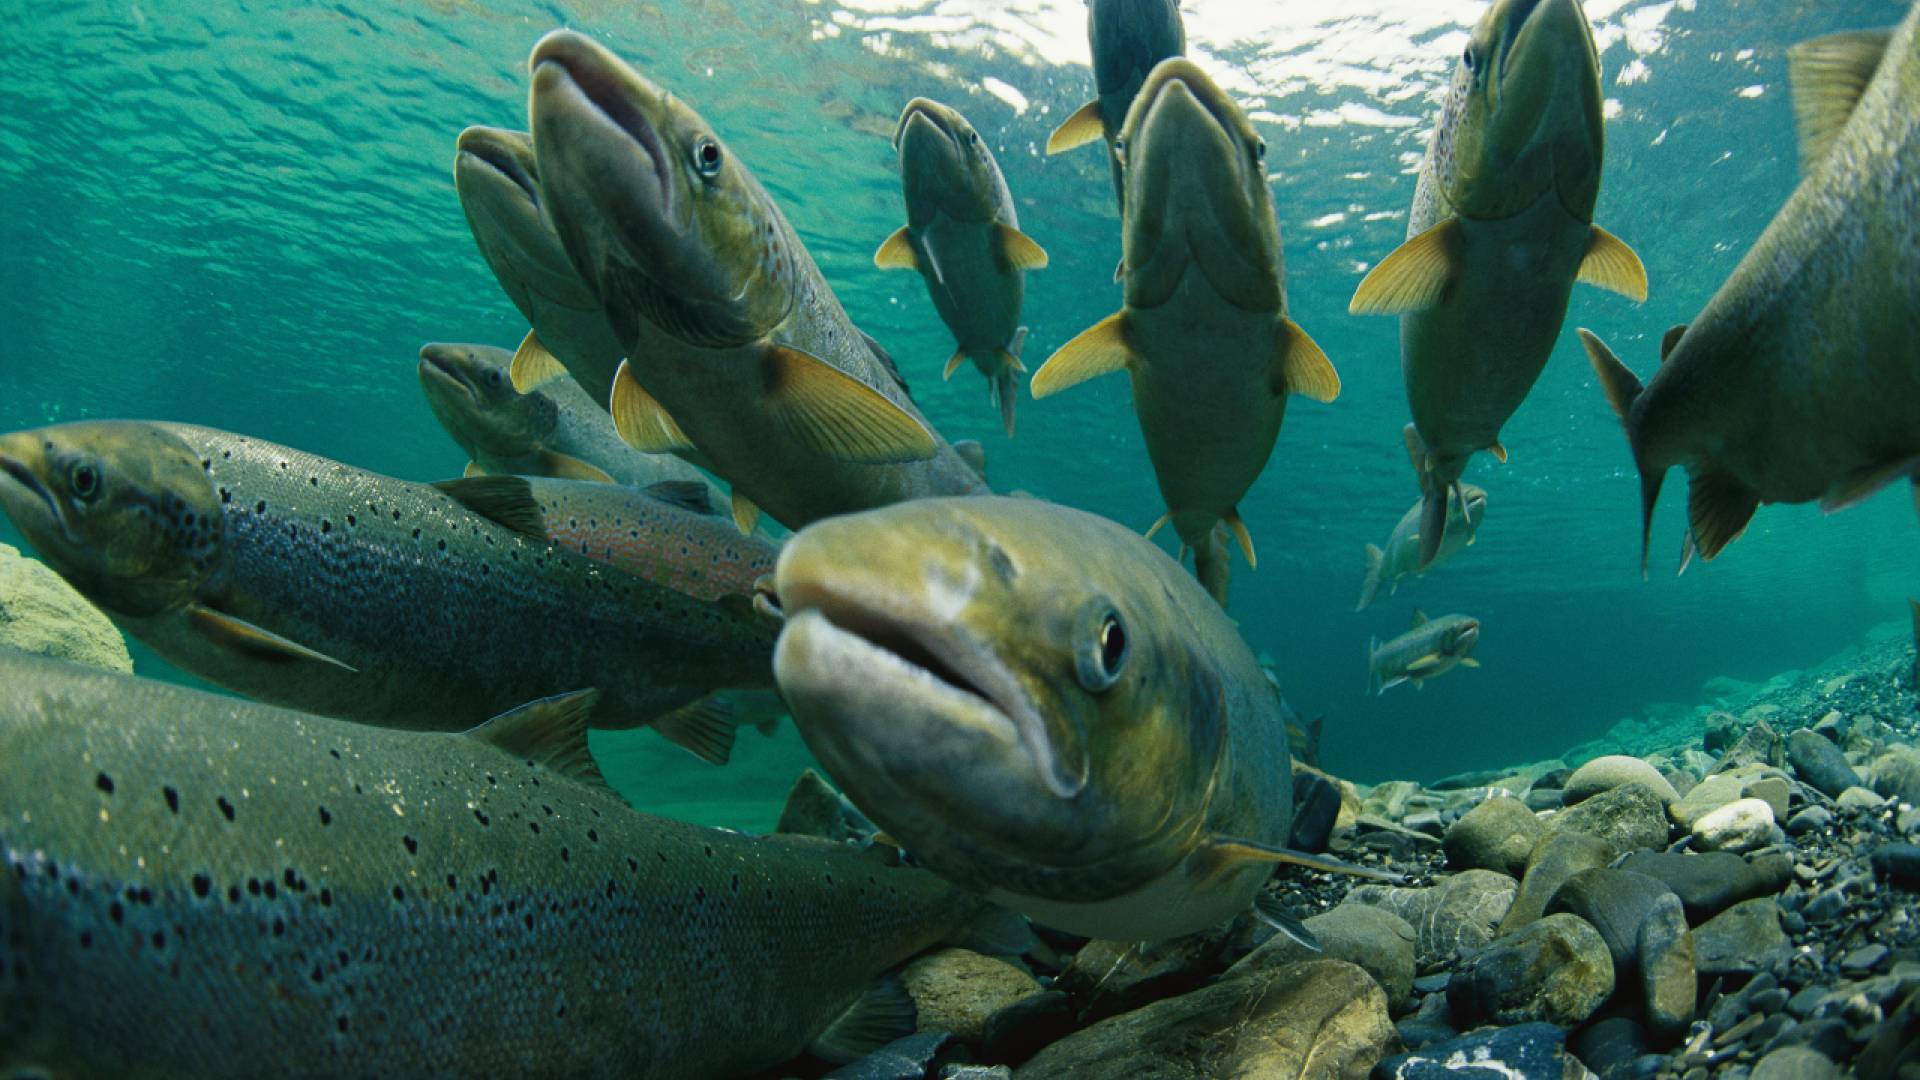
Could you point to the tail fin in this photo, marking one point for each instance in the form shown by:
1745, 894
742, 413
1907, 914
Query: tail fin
1433, 520
1211, 564
1006, 391
1370, 586
1623, 388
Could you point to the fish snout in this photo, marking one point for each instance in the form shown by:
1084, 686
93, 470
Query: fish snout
588, 100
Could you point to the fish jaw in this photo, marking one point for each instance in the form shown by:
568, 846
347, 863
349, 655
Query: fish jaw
472, 396
497, 180
942, 165
25, 497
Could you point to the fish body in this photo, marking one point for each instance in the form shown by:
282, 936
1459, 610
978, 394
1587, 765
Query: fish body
1800, 379
1203, 331
196, 885
308, 583
1501, 227
736, 345
1041, 705
963, 236
1432, 648
1127, 38
1401, 555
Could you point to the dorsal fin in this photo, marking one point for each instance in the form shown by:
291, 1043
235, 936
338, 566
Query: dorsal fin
1419, 617
551, 732
1827, 75
504, 500
1670, 339
685, 494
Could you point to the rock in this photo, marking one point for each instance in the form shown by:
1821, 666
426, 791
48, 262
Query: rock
1555, 858
1555, 969
1705, 797
1115, 976
1534, 1051
813, 808
1432, 1024
913, 1058
1894, 1050
1710, 882
1389, 800
1018, 1031
1758, 745
1896, 775
40, 613
1900, 863
1316, 805
1607, 1044
1615, 903
1628, 817
1323, 1018
1819, 763
956, 990
1856, 800
1496, 835
1864, 959
1775, 791
1606, 773
1376, 939
1795, 1063
1723, 730
1664, 957
1457, 915
1739, 940
1810, 820
1741, 825
975, 1072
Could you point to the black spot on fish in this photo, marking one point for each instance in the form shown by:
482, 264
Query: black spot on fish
709, 850
352, 521
225, 496
253, 886
226, 808
326, 897
535, 826
565, 855
452, 883
325, 526
206, 463
399, 894
313, 481
103, 782
117, 913
173, 799
279, 926
233, 894
416, 534
86, 939
202, 885
528, 920
335, 753
159, 940
413, 846
340, 1025
326, 818
593, 836
443, 545
272, 890
482, 818
260, 507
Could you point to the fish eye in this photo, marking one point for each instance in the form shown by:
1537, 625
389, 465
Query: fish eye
493, 377
1120, 149
1469, 59
706, 157
973, 137
1099, 668
84, 479
1259, 149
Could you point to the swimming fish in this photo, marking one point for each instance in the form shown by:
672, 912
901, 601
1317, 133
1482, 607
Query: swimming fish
963, 236
196, 885
304, 582
1401, 557
1203, 330
497, 178
552, 430
1432, 648
1127, 38
736, 346
1040, 705
1501, 227
1800, 379
669, 534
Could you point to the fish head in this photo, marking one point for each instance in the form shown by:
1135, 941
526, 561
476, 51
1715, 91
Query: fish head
470, 389
944, 164
1196, 193
1469, 507
1459, 636
497, 179
1129, 37
1009, 688
665, 223
125, 511
1522, 118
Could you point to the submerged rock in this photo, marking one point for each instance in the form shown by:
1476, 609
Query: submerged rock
1796, 1063
1758, 745
1740, 940
912, 1058
1616, 903
1458, 915
957, 990
1376, 939
1532, 1051
1819, 763
1900, 863
1668, 976
1555, 969
1555, 858
1498, 834
1606, 773
1629, 817
40, 613
1707, 796
1741, 825
1710, 882
1896, 775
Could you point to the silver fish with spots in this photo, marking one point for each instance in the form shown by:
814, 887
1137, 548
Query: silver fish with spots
1430, 649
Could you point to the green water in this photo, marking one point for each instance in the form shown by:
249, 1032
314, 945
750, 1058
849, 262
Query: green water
242, 215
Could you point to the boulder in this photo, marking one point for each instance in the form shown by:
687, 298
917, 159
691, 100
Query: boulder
1376, 939
956, 990
1629, 817
1710, 882
1669, 982
1557, 857
1616, 903
1740, 940
1896, 775
1758, 745
1498, 835
1819, 763
1555, 969
40, 613
1606, 773
1457, 915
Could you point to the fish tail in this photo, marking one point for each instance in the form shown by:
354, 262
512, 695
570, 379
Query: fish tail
1006, 391
1211, 565
1370, 585
1433, 518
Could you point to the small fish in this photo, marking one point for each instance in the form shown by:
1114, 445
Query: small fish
304, 582
736, 347
195, 885
1501, 228
1800, 379
1040, 705
498, 181
1203, 331
1432, 648
1127, 38
552, 430
963, 236
1401, 557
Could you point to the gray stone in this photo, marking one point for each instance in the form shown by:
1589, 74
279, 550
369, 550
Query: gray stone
40, 613
1775, 791
1896, 775
1496, 835
911, 1058
956, 990
1555, 969
1324, 1018
1864, 959
1534, 1051
1707, 796
1376, 939
1555, 858
1740, 940
1628, 817
1810, 820
1710, 882
1796, 1063
1616, 903
1664, 957
1609, 1043
1900, 863
1856, 800
1819, 763
1723, 730
976, 1072
1606, 773
1457, 915
1741, 825
1758, 745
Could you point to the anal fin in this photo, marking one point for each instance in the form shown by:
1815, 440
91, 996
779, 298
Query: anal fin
238, 635
1719, 506
1613, 266
884, 1013
897, 252
1268, 909
1242, 536
561, 466
705, 728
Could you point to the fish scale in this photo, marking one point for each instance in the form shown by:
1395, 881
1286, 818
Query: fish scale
199, 885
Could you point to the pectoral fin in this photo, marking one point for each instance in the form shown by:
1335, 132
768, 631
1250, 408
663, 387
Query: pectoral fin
241, 636
1468, 661
1016, 250
1416, 276
1222, 854
1422, 665
1861, 483
836, 415
884, 1013
705, 728
1670, 339
551, 731
1499, 453
643, 423
1827, 75
533, 364
691, 495
567, 467
953, 364
1010, 356
1100, 349
1613, 266
745, 514
1719, 508
506, 501
897, 252
1299, 367
1083, 127
1419, 618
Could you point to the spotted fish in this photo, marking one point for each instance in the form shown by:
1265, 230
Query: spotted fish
1430, 649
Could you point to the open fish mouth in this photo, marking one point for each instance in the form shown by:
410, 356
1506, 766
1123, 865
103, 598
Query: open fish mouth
879, 656
570, 67
478, 147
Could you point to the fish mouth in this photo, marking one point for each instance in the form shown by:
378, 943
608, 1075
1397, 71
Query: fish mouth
492, 149
17, 474
923, 114
573, 71
1466, 638
1181, 75
437, 367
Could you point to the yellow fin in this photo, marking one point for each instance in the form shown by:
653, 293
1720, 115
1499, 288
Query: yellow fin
1083, 127
1155, 527
533, 364
836, 415
953, 364
1419, 617
551, 731
473, 469
1498, 451
567, 467
242, 636
1424, 664
1827, 75
1613, 266
1414, 277
1100, 349
745, 514
1468, 661
1017, 250
1223, 853
1244, 537
896, 253
643, 422
705, 728
1300, 367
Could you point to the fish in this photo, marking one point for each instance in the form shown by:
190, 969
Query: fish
963, 236
497, 178
198, 885
1127, 39
304, 582
552, 430
1401, 557
1039, 705
736, 346
1431, 649
1501, 228
1800, 379
1203, 331
670, 533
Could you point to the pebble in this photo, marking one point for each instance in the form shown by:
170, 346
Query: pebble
1739, 940
1863, 960
1759, 745
1609, 1044
1664, 956
1616, 903
1498, 835
1458, 915
1741, 825
1376, 939
911, 1058
1019, 1031
1775, 791
1628, 817
1710, 882
1811, 819
1896, 775
1820, 763
1858, 800
976, 1072
1796, 1063
1708, 795
1613, 770
1898, 862
1556, 969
